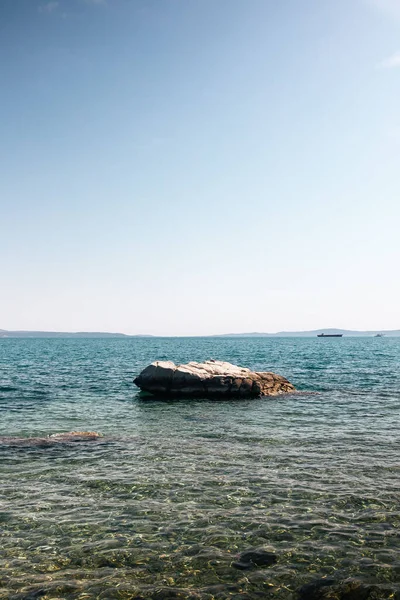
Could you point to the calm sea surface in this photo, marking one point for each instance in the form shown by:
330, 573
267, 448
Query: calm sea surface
164, 503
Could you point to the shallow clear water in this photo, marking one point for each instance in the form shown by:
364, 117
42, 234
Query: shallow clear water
163, 504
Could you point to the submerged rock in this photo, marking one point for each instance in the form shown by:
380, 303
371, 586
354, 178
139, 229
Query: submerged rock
255, 558
51, 440
316, 589
350, 589
76, 436
211, 379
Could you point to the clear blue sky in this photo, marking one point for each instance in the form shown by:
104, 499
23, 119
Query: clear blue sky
199, 166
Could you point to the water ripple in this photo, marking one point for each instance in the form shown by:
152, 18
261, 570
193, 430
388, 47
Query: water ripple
162, 506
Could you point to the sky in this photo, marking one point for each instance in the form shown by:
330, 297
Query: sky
192, 167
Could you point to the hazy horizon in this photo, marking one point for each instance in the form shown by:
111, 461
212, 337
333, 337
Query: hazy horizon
199, 168
283, 332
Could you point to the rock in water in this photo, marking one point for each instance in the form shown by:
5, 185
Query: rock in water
316, 589
211, 379
76, 436
350, 589
51, 440
255, 558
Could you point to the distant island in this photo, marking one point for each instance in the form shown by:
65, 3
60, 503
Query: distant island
315, 332
100, 334
64, 334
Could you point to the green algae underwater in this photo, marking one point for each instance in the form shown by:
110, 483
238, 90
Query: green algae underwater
173, 493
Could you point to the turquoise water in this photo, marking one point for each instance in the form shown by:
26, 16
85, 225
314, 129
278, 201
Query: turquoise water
164, 503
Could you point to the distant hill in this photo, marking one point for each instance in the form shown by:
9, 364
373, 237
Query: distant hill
315, 332
63, 334
102, 334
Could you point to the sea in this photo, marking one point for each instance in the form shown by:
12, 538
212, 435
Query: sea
165, 503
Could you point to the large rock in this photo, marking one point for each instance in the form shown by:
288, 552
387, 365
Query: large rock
211, 379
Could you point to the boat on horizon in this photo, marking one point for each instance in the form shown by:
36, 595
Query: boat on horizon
324, 335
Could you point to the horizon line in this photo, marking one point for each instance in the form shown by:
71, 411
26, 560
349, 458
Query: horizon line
4, 332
